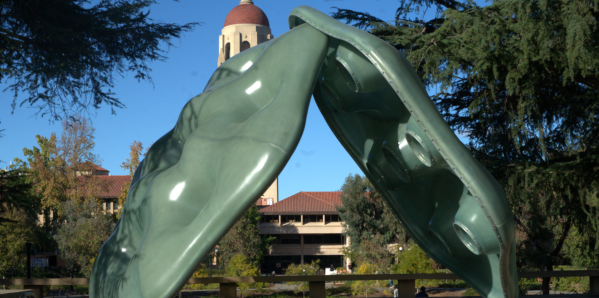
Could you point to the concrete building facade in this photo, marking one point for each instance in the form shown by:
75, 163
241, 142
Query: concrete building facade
307, 227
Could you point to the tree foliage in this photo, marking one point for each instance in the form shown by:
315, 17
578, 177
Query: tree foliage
80, 237
368, 222
364, 286
18, 229
62, 168
299, 270
16, 192
240, 265
414, 260
130, 164
244, 239
64, 55
520, 79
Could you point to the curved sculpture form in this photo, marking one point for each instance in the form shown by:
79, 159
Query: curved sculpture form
231, 141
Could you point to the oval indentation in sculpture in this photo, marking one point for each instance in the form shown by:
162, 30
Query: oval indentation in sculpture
357, 71
378, 175
345, 73
438, 239
396, 165
474, 229
418, 148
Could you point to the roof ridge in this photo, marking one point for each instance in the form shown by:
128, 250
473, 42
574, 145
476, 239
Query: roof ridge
320, 199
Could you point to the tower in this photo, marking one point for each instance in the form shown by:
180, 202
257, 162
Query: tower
246, 25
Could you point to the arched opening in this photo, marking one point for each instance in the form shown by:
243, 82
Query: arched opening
244, 46
227, 51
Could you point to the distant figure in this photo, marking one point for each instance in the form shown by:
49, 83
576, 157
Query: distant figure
390, 283
332, 267
422, 292
396, 292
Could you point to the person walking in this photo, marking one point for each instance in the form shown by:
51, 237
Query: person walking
422, 292
396, 292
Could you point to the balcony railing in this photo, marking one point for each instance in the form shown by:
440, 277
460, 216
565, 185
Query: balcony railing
228, 285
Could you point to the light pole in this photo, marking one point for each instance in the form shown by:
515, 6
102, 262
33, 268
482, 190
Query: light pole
216, 256
210, 265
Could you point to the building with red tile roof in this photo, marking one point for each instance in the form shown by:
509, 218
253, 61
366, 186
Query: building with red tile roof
115, 184
307, 227
322, 202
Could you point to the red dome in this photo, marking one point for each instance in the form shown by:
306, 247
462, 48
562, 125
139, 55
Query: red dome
246, 14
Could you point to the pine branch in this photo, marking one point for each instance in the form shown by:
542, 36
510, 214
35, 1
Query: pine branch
361, 20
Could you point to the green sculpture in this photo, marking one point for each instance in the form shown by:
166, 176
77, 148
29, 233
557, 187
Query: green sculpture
231, 141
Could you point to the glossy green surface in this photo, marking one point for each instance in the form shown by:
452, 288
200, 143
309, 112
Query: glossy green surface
379, 110
227, 147
232, 141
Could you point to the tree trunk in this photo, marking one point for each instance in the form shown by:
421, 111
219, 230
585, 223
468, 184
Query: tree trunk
546, 280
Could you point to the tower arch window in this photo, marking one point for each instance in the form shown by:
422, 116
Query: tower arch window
245, 45
227, 51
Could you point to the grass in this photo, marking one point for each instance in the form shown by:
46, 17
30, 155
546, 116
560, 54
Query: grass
470, 292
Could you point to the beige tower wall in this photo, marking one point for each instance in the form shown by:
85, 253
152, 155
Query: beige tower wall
237, 34
273, 191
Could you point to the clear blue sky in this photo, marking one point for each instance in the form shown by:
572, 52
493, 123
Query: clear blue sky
319, 164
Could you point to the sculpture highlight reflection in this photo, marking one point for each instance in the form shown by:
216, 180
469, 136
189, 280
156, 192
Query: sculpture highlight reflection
232, 141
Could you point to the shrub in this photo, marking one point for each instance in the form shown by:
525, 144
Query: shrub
203, 272
470, 292
240, 266
526, 284
415, 260
576, 284
302, 269
364, 286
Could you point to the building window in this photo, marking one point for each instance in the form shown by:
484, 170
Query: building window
270, 218
312, 218
115, 205
244, 46
106, 205
332, 218
291, 218
325, 261
334, 239
227, 51
287, 239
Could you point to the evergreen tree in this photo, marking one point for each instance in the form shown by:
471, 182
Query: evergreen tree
244, 239
63, 54
370, 225
520, 79
16, 192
